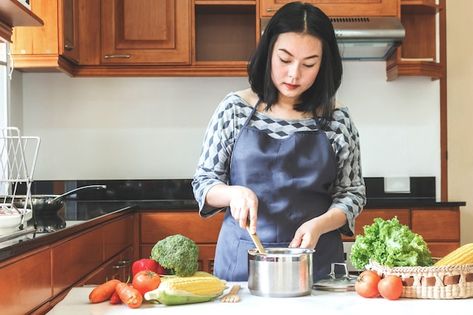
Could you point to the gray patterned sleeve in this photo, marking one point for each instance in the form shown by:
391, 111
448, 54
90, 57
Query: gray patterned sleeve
213, 165
349, 187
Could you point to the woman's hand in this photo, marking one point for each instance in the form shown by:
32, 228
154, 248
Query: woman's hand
244, 206
307, 235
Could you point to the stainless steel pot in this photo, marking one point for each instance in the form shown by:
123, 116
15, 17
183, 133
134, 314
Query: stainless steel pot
281, 272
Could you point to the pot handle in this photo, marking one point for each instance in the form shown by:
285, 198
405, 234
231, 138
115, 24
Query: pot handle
71, 192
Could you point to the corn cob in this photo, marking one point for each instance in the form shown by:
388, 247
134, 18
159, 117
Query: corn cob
185, 290
460, 256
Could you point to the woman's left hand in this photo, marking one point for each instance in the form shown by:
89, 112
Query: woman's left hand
307, 235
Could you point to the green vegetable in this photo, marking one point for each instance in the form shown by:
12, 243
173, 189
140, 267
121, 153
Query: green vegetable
391, 244
178, 254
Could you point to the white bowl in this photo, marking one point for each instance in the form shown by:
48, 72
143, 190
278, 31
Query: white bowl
11, 222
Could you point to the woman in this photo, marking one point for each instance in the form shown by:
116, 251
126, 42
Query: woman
280, 156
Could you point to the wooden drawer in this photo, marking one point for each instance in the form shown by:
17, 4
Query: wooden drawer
117, 236
119, 267
25, 283
158, 225
440, 249
437, 225
75, 258
367, 216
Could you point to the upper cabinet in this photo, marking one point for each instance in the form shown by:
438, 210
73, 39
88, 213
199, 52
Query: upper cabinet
146, 32
13, 13
340, 7
197, 37
37, 47
422, 52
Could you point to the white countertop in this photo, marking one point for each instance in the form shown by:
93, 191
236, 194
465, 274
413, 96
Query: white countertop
319, 303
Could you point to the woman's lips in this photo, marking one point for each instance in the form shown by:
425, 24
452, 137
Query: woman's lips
291, 86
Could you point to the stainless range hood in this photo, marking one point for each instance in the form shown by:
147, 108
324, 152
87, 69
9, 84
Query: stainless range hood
367, 38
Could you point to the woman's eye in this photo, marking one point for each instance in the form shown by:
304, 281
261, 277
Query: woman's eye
284, 60
309, 66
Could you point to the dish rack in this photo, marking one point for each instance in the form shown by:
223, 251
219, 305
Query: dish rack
18, 156
442, 282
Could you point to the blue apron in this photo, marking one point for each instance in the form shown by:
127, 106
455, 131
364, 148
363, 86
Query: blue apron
291, 178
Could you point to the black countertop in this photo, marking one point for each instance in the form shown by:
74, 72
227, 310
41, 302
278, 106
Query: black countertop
93, 207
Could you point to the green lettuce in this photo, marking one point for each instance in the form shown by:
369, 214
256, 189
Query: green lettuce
391, 244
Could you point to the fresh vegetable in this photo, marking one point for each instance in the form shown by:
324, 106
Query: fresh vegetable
366, 284
145, 281
391, 244
129, 295
115, 299
103, 292
177, 253
147, 264
186, 290
390, 287
460, 256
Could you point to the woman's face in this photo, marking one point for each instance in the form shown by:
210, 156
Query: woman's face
295, 63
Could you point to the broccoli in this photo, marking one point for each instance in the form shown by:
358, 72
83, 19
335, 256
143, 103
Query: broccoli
178, 254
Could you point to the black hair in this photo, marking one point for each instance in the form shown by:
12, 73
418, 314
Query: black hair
298, 17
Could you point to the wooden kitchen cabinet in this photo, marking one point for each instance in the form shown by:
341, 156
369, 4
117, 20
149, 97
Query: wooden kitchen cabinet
340, 7
25, 282
74, 258
68, 37
37, 47
155, 226
14, 14
439, 228
153, 32
119, 267
420, 54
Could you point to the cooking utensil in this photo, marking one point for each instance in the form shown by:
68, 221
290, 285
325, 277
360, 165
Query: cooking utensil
340, 283
51, 203
257, 241
232, 296
281, 272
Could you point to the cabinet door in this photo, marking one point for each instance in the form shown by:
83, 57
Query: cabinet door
70, 35
25, 282
75, 258
146, 31
340, 7
119, 267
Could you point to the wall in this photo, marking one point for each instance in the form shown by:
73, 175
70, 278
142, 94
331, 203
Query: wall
153, 127
460, 110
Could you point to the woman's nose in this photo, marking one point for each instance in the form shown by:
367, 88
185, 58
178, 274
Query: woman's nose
294, 71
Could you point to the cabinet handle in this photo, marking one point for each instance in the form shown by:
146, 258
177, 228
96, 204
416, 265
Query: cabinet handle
119, 266
68, 47
126, 56
125, 262
271, 10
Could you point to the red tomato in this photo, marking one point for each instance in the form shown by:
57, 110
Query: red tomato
366, 284
147, 264
145, 281
390, 287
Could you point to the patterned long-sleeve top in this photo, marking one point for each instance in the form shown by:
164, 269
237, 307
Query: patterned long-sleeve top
348, 189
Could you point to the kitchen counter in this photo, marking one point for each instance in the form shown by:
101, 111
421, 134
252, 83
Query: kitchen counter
319, 302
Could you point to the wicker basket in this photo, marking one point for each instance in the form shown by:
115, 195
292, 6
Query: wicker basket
445, 282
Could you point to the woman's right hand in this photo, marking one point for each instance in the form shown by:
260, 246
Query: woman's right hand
244, 207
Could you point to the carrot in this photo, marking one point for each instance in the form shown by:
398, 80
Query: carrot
115, 299
129, 295
103, 292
